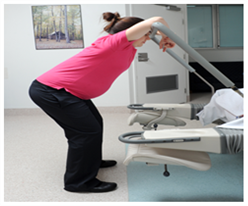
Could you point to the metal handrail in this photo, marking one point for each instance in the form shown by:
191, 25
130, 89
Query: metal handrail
157, 26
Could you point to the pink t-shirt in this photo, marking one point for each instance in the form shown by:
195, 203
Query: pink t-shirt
91, 72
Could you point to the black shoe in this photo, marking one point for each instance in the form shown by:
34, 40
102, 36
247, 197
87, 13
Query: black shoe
104, 187
108, 163
100, 187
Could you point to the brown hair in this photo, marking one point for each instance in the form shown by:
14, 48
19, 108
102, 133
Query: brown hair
117, 23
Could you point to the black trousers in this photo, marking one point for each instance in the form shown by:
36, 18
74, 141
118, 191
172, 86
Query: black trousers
83, 127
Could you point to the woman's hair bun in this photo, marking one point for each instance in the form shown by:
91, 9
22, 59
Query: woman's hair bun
108, 16
117, 24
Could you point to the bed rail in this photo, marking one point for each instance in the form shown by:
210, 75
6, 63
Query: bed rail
157, 26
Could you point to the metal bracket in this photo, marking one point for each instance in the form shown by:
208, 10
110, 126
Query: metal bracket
143, 57
170, 7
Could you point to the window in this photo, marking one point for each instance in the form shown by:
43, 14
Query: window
200, 26
230, 25
202, 32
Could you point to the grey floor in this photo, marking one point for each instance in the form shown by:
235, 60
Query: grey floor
35, 155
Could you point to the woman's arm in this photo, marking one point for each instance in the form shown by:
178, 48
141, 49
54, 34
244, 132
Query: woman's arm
139, 30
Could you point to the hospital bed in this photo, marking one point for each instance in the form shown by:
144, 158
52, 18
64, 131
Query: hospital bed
184, 147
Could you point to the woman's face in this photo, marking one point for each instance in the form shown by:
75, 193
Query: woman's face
142, 40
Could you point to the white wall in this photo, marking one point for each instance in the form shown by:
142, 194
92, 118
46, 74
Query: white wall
23, 63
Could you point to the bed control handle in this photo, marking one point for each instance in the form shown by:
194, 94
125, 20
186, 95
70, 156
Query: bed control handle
126, 138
